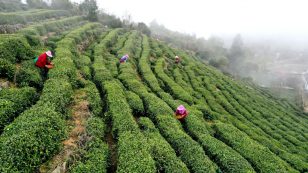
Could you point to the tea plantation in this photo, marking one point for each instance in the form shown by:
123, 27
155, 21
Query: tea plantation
128, 122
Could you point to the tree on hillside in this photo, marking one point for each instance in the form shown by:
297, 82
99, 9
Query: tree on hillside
237, 48
37, 4
142, 27
90, 9
11, 5
61, 4
110, 20
236, 54
127, 20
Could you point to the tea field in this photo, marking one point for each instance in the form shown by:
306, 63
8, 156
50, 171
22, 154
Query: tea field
93, 114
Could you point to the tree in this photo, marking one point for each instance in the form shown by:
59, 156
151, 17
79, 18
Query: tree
37, 4
237, 49
90, 9
61, 4
142, 27
127, 19
110, 20
236, 54
11, 5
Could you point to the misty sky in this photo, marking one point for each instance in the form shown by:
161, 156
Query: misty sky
208, 17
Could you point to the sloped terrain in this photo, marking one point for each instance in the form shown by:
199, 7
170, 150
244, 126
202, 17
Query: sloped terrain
231, 127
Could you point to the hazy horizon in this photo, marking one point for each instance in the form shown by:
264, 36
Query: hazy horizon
205, 18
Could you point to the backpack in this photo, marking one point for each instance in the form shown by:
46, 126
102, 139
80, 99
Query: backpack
35, 59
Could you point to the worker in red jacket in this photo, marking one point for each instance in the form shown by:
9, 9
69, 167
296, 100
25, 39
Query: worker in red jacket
44, 62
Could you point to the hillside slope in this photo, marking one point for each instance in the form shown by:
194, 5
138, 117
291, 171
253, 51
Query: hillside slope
231, 127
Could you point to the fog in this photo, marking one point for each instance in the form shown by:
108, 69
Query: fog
274, 32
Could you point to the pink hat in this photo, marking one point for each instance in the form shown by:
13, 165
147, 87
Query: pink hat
48, 53
181, 109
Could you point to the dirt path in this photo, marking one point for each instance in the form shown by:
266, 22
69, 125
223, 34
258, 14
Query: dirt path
113, 151
80, 112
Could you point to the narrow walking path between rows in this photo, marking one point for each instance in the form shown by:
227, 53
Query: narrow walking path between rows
79, 114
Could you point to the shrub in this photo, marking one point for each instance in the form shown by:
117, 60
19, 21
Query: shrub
193, 156
14, 48
29, 75
134, 102
133, 154
31, 139
176, 90
163, 154
227, 159
7, 69
145, 68
57, 93
118, 108
94, 99
14, 101
96, 157
30, 16
7, 111
261, 158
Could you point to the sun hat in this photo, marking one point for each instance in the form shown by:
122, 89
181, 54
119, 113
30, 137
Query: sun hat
48, 53
181, 109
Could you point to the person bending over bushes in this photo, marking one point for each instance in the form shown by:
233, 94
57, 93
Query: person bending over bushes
181, 113
44, 62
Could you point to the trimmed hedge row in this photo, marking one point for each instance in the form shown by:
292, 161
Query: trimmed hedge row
134, 102
130, 47
29, 75
133, 156
254, 135
66, 50
178, 78
94, 99
118, 108
155, 50
96, 150
173, 133
58, 97
83, 63
129, 78
193, 156
173, 87
145, 68
33, 32
35, 135
120, 42
295, 160
7, 69
96, 157
256, 116
101, 73
161, 151
14, 48
261, 157
31, 139
227, 159
14, 101
30, 16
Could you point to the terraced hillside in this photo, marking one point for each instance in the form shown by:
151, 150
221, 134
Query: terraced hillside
93, 114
